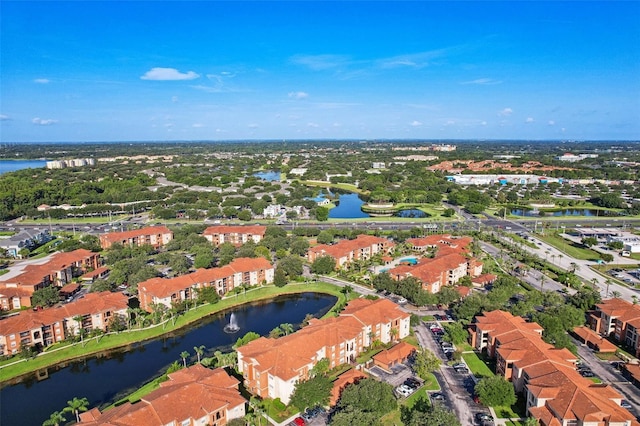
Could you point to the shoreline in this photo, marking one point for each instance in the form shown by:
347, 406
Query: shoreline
14, 372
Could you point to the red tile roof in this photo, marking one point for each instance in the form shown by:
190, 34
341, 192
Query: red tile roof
346, 247
237, 229
343, 380
589, 336
395, 354
164, 287
114, 237
92, 303
190, 393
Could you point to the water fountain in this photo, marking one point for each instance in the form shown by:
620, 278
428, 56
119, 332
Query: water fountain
233, 326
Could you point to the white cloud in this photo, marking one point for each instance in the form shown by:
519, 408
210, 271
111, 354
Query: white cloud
174, 99
449, 123
483, 123
42, 80
313, 125
551, 123
298, 95
529, 120
483, 81
506, 112
43, 121
165, 74
320, 62
253, 126
4, 117
197, 125
416, 123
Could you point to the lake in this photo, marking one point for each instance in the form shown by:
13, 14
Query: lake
348, 207
13, 165
103, 380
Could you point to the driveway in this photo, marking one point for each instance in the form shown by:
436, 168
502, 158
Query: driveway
400, 373
456, 387
609, 375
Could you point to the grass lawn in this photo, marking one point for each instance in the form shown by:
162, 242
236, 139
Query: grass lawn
278, 415
571, 248
477, 366
93, 219
510, 423
412, 340
117, 340
391, 419
4, 271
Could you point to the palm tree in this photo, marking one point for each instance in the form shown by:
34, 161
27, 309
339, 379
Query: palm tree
55, 419
184, 355
595, 283
616, 294
286, 328
76, 405
543, 278
607, 282
78, 319
275, 333
574, 267
553, 259
393, 333
199, 351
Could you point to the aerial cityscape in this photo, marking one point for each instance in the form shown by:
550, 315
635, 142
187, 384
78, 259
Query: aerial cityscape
320, 213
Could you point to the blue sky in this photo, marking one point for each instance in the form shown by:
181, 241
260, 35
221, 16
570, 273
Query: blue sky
159, 70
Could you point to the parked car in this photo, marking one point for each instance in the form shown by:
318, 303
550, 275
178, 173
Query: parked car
459, 365
412, 382
462, 370
625, 404
484, 419
404, 390
437, 396
299, 421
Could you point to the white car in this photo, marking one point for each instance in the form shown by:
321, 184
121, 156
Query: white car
404, 390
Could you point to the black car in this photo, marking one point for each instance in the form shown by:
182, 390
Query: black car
412, 383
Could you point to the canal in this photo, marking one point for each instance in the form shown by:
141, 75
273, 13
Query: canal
108, 378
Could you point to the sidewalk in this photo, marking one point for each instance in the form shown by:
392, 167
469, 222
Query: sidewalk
503, 422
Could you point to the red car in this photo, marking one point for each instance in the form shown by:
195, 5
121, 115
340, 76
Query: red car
299, 421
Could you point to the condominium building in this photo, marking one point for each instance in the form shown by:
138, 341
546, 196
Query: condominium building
156, 236
272, 367
192, 396
240, 272
47, 326
236, 235
346, 251
619, 319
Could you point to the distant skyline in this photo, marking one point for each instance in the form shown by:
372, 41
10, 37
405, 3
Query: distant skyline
237, 70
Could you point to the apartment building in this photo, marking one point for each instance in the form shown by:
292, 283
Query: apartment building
243, 271
272, 367
236, 235
555, 393
363, 247
57, 270
47, 326
619, 319
491, 325
156, 236
451, 262
191, 396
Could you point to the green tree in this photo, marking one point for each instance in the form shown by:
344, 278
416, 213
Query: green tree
184, 355
589, 241
280, 277
299, 246
370, 396
286, 328
322, 214
55, 419
312, 392
44, 297
208, 295
276, 332
455, 333
495, 391
76, 405
325, 237
425, 414
323, 265
199, 351
426, 362
246, 339
350, 416
291, 266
